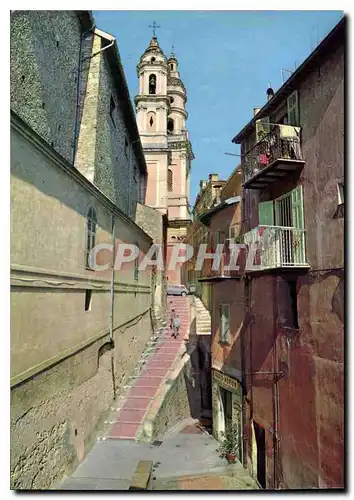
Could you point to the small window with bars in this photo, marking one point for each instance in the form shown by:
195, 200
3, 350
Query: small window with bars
91, 227
225, 323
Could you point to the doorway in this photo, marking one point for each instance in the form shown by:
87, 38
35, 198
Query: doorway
261, 454
226, 398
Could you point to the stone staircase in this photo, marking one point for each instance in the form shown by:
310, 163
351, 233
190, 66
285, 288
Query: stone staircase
203, 319
144, 386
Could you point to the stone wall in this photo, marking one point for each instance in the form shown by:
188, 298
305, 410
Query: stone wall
44, 56
61, 370
152, 222
105, 153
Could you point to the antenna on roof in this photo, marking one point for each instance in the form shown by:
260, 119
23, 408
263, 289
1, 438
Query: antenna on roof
282, 74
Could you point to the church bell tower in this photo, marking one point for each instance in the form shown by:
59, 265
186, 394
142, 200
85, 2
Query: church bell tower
161, 117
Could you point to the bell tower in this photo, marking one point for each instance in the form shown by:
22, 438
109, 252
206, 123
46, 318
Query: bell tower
152, 108
161, 117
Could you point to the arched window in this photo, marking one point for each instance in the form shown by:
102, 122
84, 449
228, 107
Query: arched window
171, 66
170, 125
91, 226
169, 180
153, 59
152, 84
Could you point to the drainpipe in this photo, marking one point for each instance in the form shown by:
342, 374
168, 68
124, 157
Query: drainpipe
111, 314
275, 390
244, 384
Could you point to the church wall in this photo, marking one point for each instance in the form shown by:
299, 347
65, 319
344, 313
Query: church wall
44, 57
62, 383
105, 153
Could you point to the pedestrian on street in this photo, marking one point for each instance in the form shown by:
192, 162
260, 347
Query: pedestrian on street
173, 315
176, 326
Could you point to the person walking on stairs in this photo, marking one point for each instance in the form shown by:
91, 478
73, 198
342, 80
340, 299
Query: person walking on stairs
176, 326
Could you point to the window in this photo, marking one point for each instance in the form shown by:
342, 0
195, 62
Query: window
88, 300
169, 180
293, 109
170, 125
152, 84
340, 189
286, 211
91, 223
171, 66
151, 120
293, 320
172, 100
153, 59
224, 323
112, 108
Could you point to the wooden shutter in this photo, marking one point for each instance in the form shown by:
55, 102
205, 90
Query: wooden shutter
266, 213
297, 207
262, 127
293, 109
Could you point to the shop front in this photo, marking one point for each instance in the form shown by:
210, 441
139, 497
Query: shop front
227, 406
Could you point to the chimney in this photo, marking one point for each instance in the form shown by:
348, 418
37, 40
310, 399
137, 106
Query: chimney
270, 92
255, 111
213, 177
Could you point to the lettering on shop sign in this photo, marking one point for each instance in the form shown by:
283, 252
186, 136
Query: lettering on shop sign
227, 382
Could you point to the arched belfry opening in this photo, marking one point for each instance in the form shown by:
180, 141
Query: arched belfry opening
152, 84
170, 126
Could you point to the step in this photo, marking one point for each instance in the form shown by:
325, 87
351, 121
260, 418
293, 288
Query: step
123, 430
149, 382
129, 415
141, 477
142, 392
136, 403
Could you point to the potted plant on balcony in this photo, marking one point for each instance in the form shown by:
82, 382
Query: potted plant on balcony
230, 443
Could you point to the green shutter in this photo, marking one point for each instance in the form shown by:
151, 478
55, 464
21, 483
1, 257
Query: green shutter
297, 206
293, 109
262, 127
266, 213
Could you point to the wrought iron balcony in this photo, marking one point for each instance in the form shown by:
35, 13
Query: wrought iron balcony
275, 156
275, 247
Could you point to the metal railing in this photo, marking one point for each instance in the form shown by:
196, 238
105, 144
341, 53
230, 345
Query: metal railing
277, 246
222, 271
282, 142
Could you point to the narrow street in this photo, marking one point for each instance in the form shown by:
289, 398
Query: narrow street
182, 461
184, 458
177, 273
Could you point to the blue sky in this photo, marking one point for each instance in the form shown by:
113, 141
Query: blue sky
226, 59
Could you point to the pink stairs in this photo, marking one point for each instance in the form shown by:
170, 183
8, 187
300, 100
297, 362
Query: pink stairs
139, 397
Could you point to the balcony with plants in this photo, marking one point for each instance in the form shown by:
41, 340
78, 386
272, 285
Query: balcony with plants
276, 155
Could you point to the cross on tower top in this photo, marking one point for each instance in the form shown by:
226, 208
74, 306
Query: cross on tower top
154, 26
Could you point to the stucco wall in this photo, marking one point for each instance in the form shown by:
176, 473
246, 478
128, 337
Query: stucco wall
44, 60
61, 368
